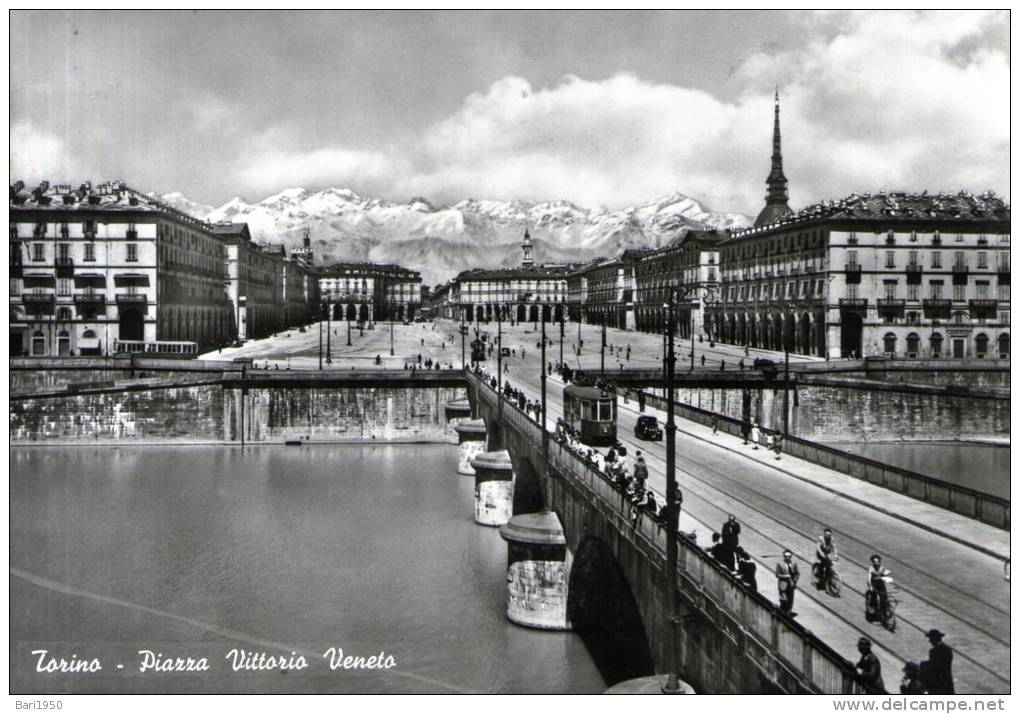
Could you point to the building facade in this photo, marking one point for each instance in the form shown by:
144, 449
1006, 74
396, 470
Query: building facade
105, 269
367, 292
686, 271
611, 291
101, 269
904, 275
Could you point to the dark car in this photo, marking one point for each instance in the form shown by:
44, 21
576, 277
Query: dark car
768, 368
647, 428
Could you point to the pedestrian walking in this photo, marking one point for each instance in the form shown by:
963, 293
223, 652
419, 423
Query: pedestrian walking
640, 472
755, 435
869, 667
938, 670
715, 425
722, 366
641, 401
787, 575
702, 360
778, 445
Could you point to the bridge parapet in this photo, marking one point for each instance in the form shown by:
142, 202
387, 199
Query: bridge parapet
781, 652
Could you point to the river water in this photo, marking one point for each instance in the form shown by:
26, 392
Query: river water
197, 551
983, 467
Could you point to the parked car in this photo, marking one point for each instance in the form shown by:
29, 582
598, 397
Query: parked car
647, 428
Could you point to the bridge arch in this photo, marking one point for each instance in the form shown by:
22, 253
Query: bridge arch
528, 496
601, 608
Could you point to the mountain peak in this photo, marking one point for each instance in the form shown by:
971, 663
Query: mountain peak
440, 241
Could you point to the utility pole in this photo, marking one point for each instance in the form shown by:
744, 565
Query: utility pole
348, 310
391, 335
602, 369
786, 396
672, 685
463, 335
692, 334
563, 318
329, 332
499, 362
320, 337
541, 364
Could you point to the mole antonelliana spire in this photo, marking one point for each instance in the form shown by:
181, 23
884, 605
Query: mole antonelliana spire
776, 197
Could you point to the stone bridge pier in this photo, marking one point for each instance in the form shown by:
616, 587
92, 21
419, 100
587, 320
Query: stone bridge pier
730, 640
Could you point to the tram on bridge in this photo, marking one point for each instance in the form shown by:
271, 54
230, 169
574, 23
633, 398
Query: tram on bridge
591, 411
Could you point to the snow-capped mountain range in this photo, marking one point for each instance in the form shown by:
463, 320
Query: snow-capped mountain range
441, 241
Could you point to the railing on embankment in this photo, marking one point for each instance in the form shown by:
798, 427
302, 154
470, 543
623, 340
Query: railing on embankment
772, 637
959, 499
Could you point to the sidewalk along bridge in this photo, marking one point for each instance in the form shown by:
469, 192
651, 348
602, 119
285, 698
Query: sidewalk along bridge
730, 640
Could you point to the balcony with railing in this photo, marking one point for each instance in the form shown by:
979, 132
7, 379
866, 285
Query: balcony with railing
38, 303
960, 273
937, 308
983, 308
891, 307
853, 273
853, 303
132, 298
90, 298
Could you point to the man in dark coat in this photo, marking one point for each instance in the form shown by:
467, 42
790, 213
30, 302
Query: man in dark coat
940, 665
731, 540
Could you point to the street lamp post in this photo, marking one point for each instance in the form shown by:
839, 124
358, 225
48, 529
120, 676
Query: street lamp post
499, 362
348, 310
672, 684
463, 335
545, 441
391, 334
579, 321
320, 336
329, 332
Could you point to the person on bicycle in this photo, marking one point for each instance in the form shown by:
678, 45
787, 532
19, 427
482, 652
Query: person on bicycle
825, 558
877, 595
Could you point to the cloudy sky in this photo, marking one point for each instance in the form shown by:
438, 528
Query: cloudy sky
592, 107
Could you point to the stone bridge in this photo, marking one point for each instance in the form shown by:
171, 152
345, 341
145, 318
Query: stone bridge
730, 639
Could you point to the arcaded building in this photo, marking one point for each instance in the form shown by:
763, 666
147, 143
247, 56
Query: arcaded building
525, 294
905, 275
97, 270
100, 269
367, 292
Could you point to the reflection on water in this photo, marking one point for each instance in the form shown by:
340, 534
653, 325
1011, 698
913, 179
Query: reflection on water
198, 550
982, 467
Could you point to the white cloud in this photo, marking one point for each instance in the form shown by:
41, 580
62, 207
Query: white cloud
899, 100
891, 100
268, 170
36, 154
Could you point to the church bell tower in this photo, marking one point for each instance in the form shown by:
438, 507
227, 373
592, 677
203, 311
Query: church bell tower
527, 261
